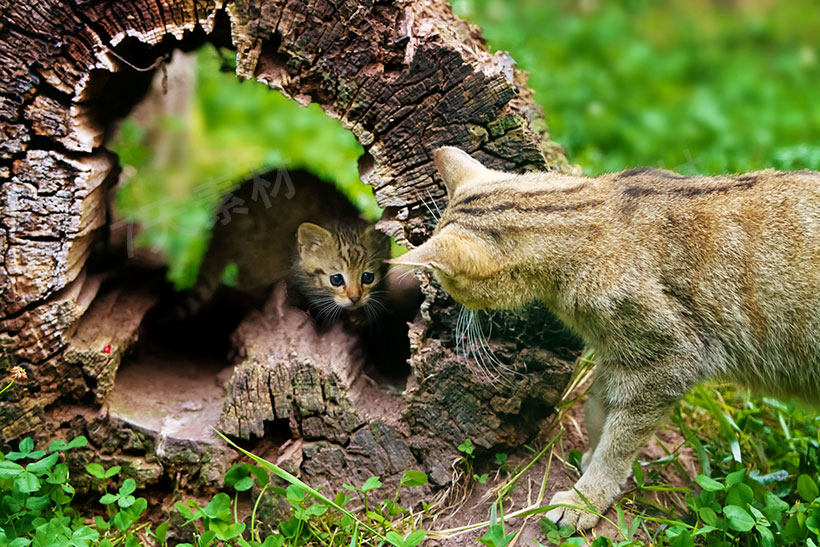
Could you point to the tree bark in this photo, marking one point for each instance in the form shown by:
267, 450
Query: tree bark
405, 77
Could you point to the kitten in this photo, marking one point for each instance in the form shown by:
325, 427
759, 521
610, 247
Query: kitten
341, 268
673, 280
271, 234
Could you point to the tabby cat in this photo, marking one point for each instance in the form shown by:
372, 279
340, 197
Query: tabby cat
304, 230
673, 280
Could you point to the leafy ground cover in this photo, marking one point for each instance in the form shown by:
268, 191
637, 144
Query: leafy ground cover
757, 485
696, 86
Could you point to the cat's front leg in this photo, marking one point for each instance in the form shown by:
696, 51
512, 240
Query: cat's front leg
594, 418
635, 407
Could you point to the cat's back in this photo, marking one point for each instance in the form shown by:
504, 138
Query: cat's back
750, 215
739, 257
648, 188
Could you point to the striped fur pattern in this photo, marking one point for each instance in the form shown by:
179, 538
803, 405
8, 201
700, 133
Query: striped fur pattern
257, 230
354, 250
673, 280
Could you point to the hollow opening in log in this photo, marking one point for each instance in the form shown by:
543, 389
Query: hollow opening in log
192, 337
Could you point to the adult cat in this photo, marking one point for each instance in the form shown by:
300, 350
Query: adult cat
673, 280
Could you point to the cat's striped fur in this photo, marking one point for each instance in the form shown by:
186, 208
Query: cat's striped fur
673, 280
306, 232
352, 249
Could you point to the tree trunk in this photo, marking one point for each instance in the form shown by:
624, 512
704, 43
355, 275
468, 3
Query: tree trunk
405, 77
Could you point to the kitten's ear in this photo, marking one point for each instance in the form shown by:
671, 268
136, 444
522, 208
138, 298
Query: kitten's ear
380, 241
375, 234
311, 235
456, 166
456, 255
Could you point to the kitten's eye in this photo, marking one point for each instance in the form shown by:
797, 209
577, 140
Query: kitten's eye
337, 280
368, 277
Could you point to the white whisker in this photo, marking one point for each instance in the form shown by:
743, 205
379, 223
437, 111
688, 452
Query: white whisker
402, 270
376, 305
472, 342
430, 194
369, 314
429, 210
460, 331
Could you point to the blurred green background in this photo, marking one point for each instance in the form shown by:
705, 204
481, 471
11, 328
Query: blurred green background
232, 130
695, 86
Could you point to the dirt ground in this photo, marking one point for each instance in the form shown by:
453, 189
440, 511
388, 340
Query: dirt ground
474, 505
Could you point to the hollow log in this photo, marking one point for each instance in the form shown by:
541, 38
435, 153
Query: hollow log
405, 77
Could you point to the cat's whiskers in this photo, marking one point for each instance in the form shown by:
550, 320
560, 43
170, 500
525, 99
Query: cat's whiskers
468, 335
400, 272
435, 216
477, 356
489, 351
370, 314
460, 334
326, 308
469, 342
335, 314
478, 348
375, 305
438, 210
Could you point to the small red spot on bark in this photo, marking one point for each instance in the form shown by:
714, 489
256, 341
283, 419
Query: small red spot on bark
107, 348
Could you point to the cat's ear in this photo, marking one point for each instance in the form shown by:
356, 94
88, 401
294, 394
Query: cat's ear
455, 255
377, 242
422, 256
380, 240
456, 166
375, 234
311, 236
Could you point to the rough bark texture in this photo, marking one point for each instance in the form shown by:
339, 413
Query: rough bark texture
405, 77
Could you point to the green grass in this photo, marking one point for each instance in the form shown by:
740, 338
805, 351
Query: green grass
696, 86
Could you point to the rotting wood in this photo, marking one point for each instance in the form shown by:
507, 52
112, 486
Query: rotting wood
404, 77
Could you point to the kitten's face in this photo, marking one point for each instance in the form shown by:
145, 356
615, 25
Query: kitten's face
342, 267
464, 252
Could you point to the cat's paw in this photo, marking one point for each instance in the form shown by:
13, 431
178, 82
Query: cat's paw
580, 519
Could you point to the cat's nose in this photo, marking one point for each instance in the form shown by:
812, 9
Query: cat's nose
354, 296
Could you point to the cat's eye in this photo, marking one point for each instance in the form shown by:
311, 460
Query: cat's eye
337, 280
368, 277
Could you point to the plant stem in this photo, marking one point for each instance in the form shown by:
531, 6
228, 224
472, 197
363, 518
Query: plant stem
505, 487
7, 386
235, 504
254, 531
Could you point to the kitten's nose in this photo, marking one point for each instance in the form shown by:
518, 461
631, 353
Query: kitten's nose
354, 296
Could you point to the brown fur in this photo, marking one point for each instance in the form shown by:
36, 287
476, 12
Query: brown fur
259, 234
673, 280
352, 249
